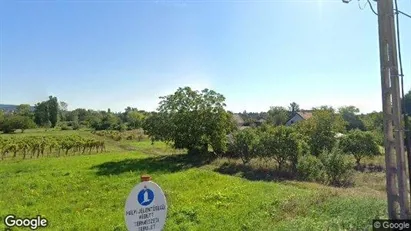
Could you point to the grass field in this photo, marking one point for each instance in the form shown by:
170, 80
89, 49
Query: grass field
88, 192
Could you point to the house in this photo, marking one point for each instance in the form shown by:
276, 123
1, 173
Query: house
298, 116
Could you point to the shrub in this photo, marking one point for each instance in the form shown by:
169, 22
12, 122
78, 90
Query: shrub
117, 137
64, 127
244, 143
359, 144
282, 144
338, 170
75, 125
310, 168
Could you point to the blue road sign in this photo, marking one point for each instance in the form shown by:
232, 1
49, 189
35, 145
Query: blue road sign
145, 197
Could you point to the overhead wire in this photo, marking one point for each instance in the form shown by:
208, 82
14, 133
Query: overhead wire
372, 8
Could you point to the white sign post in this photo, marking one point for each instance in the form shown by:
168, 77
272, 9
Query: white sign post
146, 207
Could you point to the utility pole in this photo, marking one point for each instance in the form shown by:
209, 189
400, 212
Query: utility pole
396, 177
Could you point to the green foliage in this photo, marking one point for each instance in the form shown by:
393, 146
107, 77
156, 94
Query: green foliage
353, 121
40, 145
53, 110
135, 119
320, 130
310, 168
41, 113
47, 111
293, 108
373, 121
244, 144
75, 125
338, 170
12, 122
24, 110
277, 116
107, 122
282, 144
359, 144
407, 99
205, 201
193, 120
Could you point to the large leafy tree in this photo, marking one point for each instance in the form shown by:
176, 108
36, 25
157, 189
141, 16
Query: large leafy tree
47, 112
41, 113
193, 120
277, 116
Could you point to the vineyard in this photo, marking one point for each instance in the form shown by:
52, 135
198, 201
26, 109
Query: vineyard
118, 136
37, 146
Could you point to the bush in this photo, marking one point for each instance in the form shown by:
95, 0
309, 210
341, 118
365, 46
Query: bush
244, 143
282, 144
11, 123
359, 144
310, 168
338, 170
75, 125
117, 137
64, 127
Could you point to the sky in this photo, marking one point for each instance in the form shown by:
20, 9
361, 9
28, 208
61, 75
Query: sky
114, 54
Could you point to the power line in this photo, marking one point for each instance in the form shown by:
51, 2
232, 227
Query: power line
405, 14
372, 8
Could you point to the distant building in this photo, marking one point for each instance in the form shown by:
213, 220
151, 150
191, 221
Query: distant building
299, 116
239, 121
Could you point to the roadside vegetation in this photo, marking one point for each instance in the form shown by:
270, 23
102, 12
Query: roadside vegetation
324, 172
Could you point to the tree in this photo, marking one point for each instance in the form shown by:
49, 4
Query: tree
63, 106
293, 108
41, 113
53, 109
349, 114
277, 116
24, 110
407, 101
156, 126
373, 121
135, 119
193, 120
282, 144
12, 122
359, 144
321, 128
245, 144
23, 123
63, 110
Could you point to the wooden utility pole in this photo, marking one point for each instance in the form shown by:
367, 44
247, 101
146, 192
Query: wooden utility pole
396, 180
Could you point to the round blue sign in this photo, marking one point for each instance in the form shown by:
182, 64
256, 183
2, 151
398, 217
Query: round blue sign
145, 197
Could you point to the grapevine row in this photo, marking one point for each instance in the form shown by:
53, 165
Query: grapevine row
48, 145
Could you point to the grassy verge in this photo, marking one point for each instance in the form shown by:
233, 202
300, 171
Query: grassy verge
89, 192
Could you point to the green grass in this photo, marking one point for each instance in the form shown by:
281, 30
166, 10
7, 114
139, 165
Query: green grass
88, 193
